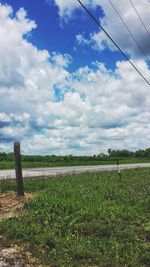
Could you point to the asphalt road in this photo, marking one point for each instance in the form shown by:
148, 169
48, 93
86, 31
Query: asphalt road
50, 172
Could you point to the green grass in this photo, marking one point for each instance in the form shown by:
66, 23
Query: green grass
89, 219
10, 164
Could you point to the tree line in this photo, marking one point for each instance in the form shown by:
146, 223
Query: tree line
141, 153
112, 154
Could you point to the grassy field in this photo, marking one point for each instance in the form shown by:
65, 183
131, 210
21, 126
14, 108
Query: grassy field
89, 219
10, 164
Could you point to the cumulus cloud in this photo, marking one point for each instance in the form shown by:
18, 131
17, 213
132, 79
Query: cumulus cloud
61, 60
113, 25
52, 110
12, 31
111, 22
67, 7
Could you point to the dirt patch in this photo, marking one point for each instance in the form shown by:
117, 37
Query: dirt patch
17, 257
11, 205
12, 255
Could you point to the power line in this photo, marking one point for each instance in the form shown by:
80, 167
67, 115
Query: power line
92, 16
128, 29
136, 11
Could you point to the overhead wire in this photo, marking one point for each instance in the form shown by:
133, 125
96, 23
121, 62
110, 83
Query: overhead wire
108, 35
136, 11
128, 29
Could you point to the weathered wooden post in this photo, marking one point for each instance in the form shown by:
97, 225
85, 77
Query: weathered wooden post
19, 178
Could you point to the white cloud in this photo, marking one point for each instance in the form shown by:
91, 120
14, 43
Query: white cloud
111, 22
4, 117
61, 60
67, 7
54, 111
113, 25
81, 40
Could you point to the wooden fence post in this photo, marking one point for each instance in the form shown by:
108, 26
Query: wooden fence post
19, 178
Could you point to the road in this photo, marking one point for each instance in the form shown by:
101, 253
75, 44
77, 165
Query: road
54, 171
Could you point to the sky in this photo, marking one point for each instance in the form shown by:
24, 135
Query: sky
64, 87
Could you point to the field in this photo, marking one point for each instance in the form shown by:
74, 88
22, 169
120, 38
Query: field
89, 219
77, 162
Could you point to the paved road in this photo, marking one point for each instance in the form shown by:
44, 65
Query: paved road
38, 172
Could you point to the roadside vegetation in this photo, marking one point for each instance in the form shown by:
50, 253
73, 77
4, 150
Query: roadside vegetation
43, 164
88, 219
35, 161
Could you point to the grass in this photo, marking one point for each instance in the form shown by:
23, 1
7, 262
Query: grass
88, 219
10, 164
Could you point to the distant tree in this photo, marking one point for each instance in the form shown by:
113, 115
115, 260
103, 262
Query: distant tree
109, 151
139, 153
147, 153
120, 153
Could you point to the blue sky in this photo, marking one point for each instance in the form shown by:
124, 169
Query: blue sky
56, 35
64, 88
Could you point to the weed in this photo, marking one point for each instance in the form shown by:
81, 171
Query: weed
85, 219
